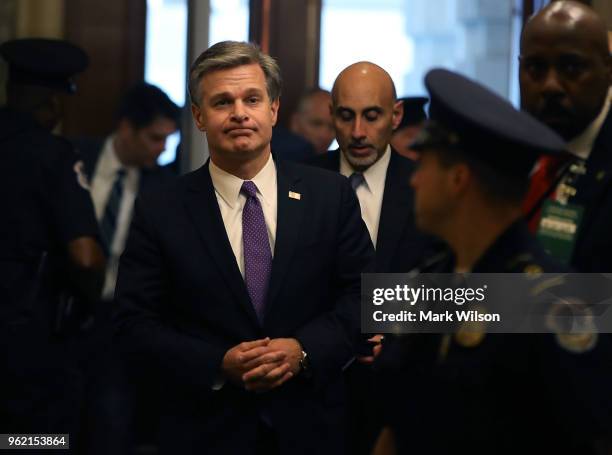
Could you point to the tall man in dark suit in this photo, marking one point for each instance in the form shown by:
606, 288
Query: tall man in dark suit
365, 112
240, 283
119, 167
565, 75
125, 163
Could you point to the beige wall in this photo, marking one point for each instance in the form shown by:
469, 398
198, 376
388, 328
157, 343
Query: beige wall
29, 18
604, 8
40, 18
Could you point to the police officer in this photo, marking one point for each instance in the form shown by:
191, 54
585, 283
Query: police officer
473, 392
49, 253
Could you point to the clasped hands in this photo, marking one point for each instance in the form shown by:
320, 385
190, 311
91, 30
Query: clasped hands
262, 365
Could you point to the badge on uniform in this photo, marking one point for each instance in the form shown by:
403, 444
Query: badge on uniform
573, 323
558, 229
81, 177
578, 343
294, 195
471, 334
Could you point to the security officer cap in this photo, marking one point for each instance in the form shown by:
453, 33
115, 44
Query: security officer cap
44, 62
468, 117
414, 111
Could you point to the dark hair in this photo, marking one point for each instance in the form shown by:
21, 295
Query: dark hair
232, 54
498, 187
143, 103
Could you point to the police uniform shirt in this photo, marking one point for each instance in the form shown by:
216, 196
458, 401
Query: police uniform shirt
371, 192
102, 183
477, 392
45, 197
481, 393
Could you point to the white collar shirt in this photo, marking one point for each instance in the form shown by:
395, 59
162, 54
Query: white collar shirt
231, 203
582, 144
371, 192
102, 183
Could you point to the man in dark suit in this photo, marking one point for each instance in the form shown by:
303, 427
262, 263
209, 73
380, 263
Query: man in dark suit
125, 163
565, 75
118, 168
240, 283
365, 112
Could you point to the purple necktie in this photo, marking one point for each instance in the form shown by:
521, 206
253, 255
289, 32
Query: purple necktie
257, 256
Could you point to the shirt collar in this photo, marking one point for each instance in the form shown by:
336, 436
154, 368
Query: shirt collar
582, 144
228, 185
374, 175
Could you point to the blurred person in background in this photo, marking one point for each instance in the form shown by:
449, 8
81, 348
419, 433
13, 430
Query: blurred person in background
313, 119
51, 261
565, 75
413, 120
119, 168
125, 163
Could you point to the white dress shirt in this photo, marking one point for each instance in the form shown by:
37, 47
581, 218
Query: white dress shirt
102, 182
231, 202
582, 144
370, 193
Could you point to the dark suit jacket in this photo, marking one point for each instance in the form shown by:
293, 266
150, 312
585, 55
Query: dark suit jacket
593, 249
90, 149
400, 246
183, 303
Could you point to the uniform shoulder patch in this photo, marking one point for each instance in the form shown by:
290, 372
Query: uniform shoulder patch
573, 325
82, 180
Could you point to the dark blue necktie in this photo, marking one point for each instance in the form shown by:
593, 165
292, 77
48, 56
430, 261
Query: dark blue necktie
108, 224
356, 179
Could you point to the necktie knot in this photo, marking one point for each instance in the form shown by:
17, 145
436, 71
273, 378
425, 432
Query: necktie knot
249, 189
356, 179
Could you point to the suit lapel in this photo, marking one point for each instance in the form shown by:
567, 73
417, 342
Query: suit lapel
395, 211
289, 215
203, 207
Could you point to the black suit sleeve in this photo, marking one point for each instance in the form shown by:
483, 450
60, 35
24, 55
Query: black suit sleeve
142, 294
331, 339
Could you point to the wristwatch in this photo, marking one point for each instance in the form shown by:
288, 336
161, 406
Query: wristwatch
305, 366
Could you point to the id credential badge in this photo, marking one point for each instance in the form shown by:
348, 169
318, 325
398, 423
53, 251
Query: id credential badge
558, 228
